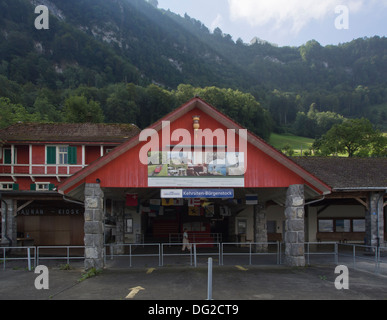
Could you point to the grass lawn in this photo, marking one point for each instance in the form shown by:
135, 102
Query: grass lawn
278, 141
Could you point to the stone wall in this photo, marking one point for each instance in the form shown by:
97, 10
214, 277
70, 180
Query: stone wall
295, 233
9, 226
375, 220
94, 226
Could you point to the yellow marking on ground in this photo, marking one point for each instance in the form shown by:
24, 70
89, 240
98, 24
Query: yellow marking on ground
150, 270
133, 292
241, 268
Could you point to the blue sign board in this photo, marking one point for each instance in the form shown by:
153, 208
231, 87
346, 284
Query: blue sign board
208, 193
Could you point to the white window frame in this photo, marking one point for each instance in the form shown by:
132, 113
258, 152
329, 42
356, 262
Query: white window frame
61, 156
40, 186
6, 186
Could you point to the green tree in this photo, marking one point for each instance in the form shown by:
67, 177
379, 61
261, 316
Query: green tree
78, 110
288, 150
46, 110
11, 113
121, 106
354, 137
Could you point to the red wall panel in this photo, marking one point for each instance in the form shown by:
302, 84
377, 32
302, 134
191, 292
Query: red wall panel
126, 171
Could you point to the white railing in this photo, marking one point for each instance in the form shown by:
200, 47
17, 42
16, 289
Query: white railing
40, 169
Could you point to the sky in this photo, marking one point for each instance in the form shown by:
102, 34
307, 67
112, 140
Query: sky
288, 22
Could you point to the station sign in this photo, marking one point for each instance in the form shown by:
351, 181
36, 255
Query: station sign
197, 193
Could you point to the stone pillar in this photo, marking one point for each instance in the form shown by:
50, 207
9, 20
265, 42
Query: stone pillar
375, 220
295, 234
260, 228
8, 219
94, 227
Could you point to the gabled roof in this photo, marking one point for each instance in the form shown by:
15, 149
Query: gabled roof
348, 173
68, 132
222, 119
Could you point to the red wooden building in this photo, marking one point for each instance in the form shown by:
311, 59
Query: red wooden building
34, 160
195, 168
260, 175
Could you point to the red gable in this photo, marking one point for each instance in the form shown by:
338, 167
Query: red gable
266, 167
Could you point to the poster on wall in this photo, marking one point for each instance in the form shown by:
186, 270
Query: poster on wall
196, 169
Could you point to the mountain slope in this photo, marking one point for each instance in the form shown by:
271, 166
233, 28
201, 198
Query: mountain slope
98, 43
153, 42
130, 40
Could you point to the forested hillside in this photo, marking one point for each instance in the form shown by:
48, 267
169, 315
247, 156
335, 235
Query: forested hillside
128, 61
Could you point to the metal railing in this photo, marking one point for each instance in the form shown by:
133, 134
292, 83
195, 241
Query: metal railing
254, 249
166, 252
30, 255
50, 256
173, 252
195, 237
320, 249
369, 258
129, 251
355, 254
382, 261
33, 255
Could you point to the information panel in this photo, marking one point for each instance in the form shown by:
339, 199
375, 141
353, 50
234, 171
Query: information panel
196, 169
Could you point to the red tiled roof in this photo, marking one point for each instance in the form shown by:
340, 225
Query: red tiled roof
347, 173
68, 132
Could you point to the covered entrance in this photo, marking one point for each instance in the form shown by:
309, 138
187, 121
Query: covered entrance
148, 189
143, 216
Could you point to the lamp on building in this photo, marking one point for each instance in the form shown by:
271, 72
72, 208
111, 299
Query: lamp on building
196, 123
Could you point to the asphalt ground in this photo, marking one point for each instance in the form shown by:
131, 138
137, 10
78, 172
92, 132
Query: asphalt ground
229, 283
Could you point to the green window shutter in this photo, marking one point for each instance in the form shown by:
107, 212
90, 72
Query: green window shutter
7, 156
15, 186
51, 186
51, 155
72, 155
33, 186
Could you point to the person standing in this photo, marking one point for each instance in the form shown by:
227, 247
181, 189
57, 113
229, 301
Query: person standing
186, 244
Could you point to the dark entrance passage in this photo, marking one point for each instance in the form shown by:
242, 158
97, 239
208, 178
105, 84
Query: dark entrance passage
206, 222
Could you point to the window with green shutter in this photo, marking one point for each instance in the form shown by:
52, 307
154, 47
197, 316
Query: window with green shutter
7, 156
51, 155
72, 155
